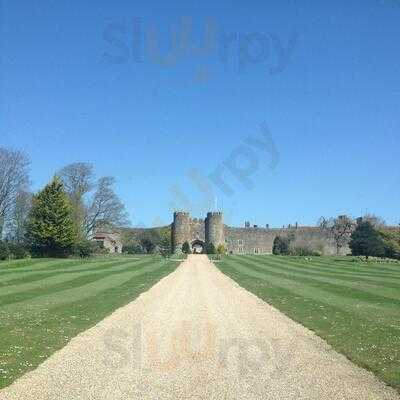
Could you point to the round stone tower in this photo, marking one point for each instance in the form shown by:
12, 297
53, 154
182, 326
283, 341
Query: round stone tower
215, 229
180, 230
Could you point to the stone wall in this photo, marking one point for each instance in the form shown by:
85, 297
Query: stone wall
261, 240
197, 230
245, 240
249, 240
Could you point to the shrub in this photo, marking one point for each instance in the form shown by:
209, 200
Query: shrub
281, 246
374, 260
18, 251
186, 248
4, 251
221, 250
304, 252
210, 248
86, 248
133, 249
102, 250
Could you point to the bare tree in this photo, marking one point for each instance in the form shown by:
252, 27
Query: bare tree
16, 226
78, 179
339, 229
374, 220
105, 208
93, 203
13, 179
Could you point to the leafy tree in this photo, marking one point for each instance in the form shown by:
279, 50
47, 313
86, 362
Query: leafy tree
148, 245
210, 248
366, 241
164, 246
146, 240
130, 241
50, 228
150, 239
165, 242
391, 241
186, 248
281, 246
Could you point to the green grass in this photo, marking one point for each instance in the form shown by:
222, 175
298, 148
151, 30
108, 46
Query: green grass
355, 307
46, 302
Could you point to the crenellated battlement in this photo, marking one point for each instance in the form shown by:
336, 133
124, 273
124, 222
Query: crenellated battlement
197, 230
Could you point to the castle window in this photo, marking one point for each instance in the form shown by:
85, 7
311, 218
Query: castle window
240, 242
256, 251
240, 249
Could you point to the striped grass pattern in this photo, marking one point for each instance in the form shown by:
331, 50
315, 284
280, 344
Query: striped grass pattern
354, 306
46, 302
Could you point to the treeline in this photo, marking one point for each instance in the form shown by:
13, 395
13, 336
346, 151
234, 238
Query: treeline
366, 236
158, 240
59, 220
147, 241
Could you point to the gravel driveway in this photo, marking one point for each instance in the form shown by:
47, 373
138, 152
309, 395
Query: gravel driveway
197, 335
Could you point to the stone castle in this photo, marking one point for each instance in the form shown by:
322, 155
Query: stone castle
200, 233
247, 240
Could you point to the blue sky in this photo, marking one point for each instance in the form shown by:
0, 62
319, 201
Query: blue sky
85, 81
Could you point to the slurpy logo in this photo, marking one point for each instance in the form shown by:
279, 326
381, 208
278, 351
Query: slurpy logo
241, 164
142, 348
237, 167
138, 43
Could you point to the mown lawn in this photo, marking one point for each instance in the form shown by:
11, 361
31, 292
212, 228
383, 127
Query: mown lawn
355, 307
46, 302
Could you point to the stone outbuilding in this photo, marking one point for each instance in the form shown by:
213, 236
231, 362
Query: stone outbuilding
109, 240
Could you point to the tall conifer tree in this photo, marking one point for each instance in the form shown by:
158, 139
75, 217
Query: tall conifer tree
51, 230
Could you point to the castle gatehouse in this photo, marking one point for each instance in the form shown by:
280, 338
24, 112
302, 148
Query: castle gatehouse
199, 233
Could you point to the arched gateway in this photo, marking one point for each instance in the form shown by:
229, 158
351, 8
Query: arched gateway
197, 232
198, 246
